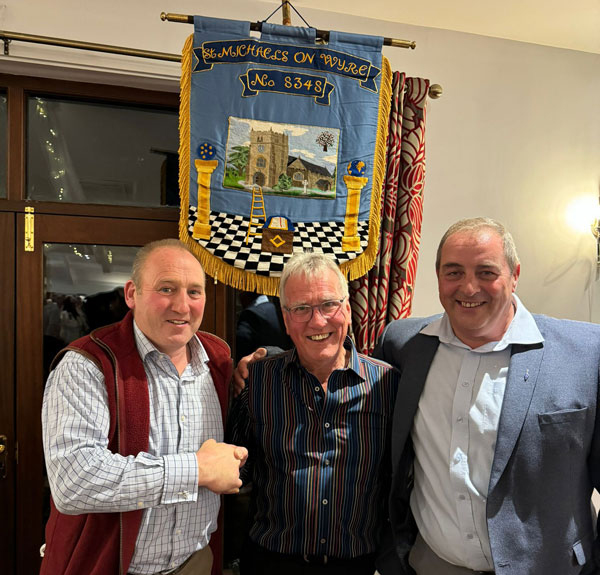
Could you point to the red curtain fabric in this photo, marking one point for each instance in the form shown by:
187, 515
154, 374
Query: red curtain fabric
385, 293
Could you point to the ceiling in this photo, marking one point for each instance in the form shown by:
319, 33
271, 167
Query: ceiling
574, 25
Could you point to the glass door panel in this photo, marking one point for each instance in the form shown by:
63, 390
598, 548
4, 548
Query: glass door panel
96, 153
83, 290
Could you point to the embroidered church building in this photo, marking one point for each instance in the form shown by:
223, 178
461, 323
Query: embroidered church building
268, 159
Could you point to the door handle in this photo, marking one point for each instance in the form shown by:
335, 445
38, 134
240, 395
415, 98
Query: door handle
3, 451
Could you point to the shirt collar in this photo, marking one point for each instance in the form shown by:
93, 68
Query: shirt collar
259, 300
353, 361
198, 354
522, 329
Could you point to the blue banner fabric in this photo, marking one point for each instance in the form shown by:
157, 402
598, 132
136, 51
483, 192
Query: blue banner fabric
282, 148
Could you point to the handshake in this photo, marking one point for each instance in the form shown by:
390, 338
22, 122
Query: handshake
219, 466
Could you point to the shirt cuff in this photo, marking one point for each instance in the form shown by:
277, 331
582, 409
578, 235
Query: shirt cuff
181, 478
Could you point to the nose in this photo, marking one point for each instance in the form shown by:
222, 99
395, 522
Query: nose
180, 302
317, 319
470, 285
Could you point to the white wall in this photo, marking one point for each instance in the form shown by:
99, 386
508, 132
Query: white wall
516, 135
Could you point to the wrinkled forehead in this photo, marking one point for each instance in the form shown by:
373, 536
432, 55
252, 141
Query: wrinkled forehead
309, 280
483, 249
473, 242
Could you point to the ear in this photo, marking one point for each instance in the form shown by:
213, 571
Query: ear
348, 308
129, 293
515, 276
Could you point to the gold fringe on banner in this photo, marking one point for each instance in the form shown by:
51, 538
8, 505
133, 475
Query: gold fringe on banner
359, 266
248, 281
212, 265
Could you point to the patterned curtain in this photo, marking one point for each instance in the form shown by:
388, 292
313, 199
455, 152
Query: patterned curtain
385, 293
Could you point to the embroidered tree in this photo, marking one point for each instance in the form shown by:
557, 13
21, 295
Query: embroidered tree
284, 183
239, 158
325, 139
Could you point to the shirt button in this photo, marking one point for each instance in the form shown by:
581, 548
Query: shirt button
183, 494
462, 497
317, 388
178, 532
327, 425
327, 462
183, 418
459, 419
465, 384
457, 458
323, 540
324, 502
140, 504
469, 536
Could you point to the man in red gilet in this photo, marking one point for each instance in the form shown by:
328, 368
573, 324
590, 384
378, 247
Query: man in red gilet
133, 428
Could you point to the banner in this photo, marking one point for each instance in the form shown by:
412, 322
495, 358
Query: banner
282, 148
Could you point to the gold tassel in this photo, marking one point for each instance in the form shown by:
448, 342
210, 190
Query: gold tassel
359, 266
212, 265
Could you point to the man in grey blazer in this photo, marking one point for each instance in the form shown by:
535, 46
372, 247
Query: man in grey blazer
496, 446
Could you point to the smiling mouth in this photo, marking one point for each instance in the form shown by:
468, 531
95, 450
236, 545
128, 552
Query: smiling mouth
470, 304
177, 321
319, 336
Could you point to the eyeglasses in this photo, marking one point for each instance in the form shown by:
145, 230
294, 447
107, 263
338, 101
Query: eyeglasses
303, 313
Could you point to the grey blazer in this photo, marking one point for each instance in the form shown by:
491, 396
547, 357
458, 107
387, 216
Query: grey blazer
547, 456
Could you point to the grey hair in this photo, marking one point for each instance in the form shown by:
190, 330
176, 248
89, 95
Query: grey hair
310, 265
475, 225
143, 253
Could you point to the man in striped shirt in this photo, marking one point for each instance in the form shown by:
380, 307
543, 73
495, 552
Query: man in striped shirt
132, 428
316, 421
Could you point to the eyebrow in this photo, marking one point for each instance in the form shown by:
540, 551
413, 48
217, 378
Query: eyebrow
178, 283
483, 266
332, 298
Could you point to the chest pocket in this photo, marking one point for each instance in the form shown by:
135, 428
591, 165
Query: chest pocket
564, 428
563, 417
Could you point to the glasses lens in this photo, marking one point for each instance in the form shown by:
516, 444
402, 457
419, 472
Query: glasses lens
301, 312
329, 308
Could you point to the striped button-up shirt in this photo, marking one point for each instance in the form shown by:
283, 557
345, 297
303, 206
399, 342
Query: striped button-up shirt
86, 477
319, 461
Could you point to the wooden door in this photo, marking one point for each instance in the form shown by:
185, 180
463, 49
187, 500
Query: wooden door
77, 234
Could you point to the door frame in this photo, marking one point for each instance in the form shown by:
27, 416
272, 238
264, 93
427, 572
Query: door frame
7, 389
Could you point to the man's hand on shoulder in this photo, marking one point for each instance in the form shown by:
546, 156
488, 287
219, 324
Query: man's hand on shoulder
219, 466
241, 371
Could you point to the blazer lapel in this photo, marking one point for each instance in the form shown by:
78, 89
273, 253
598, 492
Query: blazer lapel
417, 355
522, 378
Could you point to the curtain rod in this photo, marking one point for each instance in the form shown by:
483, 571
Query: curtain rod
7, 37
435, 90
256, 26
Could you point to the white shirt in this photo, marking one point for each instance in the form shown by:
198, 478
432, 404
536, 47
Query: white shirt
454, 436
86, 477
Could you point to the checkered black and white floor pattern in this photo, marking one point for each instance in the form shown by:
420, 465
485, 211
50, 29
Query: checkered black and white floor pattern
228, 242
